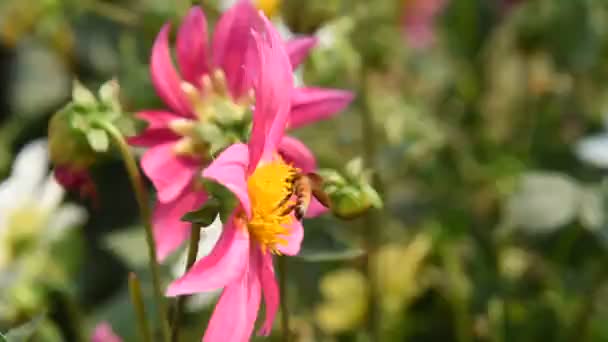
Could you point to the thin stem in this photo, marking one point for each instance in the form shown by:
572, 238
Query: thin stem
140, 310
372, 218
282, 264
75, 318
195, 236
141, 194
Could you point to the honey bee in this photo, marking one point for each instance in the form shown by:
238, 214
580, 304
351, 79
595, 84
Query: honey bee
303, 187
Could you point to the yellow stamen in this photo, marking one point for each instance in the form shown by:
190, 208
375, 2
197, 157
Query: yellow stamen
270, 7
268, 187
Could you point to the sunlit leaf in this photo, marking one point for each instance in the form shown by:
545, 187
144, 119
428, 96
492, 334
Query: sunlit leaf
98, 139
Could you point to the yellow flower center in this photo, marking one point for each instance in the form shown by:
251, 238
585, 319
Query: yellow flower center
270, 7
270, 188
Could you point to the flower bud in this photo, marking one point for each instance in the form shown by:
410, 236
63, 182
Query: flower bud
350, 192
68, 146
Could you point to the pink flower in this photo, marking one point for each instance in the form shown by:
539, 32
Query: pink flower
103, 333
419, 21
263, 224
210, 73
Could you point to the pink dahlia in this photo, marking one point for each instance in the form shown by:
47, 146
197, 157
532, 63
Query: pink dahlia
214, 86
263, 224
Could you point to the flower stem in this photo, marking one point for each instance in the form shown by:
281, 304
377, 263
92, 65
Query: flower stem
195, 236
139, 307
141, 195
372, 219
282, 264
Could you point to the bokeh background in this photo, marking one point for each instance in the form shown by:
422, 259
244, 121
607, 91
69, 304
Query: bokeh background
482, 122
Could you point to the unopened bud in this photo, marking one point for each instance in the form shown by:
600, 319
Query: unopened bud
68, 146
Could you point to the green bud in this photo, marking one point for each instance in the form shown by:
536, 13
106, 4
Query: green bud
67, 145
74, 133
350, 192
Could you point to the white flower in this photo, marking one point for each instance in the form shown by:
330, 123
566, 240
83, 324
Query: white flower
594, 150
31, 200
209, 237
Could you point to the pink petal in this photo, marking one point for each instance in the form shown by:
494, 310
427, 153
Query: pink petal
164, 77
229, 321
230, 44
315, 208
229, 169
191, 46
244, 296
254, 289
313, 104
169, 230
225, 264
157, 131
103, 333
299, 48
296, 153
169, 173
273, 91
294, 239
271, 293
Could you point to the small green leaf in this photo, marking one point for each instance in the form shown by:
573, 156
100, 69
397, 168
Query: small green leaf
130, 245
224, 196
330, 255
83, 96
206, 214
372, 196
98, 139
331, 177
109, 92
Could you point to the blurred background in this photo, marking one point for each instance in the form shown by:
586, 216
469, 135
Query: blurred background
483, 123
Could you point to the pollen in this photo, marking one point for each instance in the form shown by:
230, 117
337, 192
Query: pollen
270, 189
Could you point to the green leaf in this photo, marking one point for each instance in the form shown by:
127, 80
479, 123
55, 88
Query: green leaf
98, 139
224, 196
109, 95
129, 125
331, 177
310, 255
206, 214
83, 96
129, 245
25, 331
372, 196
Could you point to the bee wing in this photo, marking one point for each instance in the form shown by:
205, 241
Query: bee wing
316, 184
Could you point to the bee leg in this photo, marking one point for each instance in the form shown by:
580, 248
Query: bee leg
288, 210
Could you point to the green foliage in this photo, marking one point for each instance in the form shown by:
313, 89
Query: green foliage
489, 226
